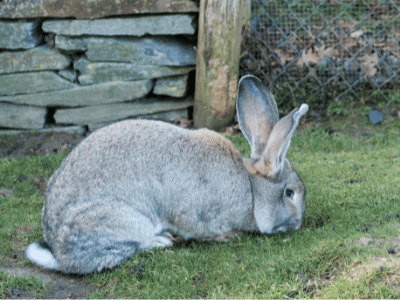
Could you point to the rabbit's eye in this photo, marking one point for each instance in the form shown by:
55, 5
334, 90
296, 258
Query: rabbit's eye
288, 193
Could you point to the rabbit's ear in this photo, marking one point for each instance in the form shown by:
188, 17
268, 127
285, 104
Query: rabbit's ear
272, 161
257, 113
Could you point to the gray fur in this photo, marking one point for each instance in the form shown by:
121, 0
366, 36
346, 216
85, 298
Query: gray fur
125, 185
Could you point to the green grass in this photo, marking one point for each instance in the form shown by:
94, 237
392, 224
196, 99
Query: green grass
350, 180
20, 222
372, 285
5, 139
22, 284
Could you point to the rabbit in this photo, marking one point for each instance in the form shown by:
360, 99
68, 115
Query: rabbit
127, 184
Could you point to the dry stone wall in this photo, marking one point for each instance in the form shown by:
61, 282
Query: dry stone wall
91, 72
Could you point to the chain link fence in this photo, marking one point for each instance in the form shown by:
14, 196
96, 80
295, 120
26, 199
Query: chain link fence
325, 50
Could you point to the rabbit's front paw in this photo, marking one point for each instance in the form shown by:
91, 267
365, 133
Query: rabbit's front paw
175, 239
158, 242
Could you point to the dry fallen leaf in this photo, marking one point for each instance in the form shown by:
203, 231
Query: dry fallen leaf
283, 57
308, 57
312, 56
349, 43
346, 25
357, 34
368, 63
232, 130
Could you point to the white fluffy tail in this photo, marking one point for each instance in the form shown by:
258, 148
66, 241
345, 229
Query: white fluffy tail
41, 256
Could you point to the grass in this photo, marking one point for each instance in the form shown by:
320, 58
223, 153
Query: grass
4, 140
13, 286
353, 192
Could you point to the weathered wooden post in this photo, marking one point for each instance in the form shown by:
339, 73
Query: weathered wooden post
217, 64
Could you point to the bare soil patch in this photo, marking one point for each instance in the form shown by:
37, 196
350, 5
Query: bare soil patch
37, 144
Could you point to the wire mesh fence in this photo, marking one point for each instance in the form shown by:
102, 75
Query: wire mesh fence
325, 50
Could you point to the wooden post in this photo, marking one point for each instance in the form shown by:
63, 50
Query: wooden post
217, 63
246, 12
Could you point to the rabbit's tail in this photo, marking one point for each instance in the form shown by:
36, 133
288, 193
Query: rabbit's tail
89, 253
40, 254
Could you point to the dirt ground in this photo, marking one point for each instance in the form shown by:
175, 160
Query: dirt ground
37, 144
62, 286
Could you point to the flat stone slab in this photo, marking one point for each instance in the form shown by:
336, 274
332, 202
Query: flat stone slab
169, 116
68, 74
70, 43
92, 73
22, 116
91, 9
161, 51
67, 129
36, 59
119, 111
109, 92
32, 82
19, 35
175, 86
136, 26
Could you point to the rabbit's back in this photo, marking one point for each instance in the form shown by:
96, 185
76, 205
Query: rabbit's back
187, 180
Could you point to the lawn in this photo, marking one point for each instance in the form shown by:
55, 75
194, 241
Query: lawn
348, 246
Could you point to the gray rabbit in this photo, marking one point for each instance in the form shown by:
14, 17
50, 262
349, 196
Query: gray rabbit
120, 190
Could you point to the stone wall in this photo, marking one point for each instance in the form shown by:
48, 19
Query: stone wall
63, 73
